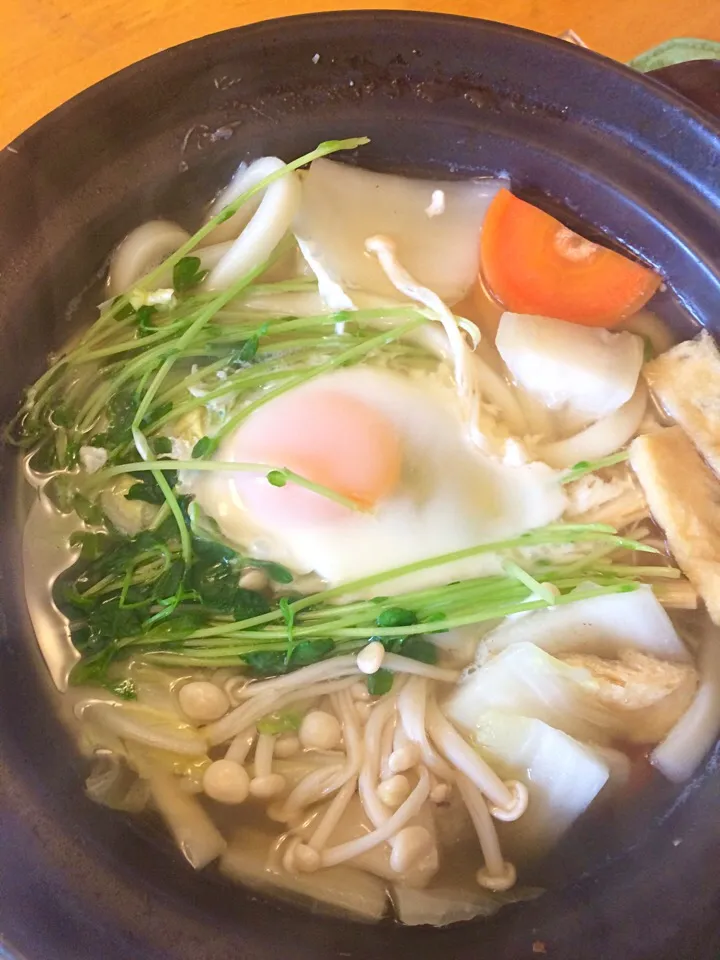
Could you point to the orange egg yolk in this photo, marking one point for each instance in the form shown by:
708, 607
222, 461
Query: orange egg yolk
327, 437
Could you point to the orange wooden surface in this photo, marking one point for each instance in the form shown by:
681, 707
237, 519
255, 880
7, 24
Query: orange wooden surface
52, 49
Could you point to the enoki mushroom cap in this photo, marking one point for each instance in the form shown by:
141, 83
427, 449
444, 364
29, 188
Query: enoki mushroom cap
497, 883
518, 806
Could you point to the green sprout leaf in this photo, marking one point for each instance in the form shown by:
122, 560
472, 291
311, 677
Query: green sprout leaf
187, 274
380, 682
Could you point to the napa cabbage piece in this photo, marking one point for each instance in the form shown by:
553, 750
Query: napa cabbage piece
563, 778
195, 834
113, 784
249, 859
603, 626
441, 252
159, 729
527, 681
637, 698
584, 372
442, 906
128, 516
682, 751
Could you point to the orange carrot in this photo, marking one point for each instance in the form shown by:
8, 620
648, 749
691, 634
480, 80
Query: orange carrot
531, 263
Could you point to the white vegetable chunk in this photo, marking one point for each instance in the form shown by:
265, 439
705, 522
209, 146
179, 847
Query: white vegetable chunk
602, 625
342, 206
682, 751
337, 889
586, 372
563, 778
525, 680
194, 832
444, 905
141, 251
636, 697
266, 228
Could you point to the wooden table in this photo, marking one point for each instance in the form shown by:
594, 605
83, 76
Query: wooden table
52, 49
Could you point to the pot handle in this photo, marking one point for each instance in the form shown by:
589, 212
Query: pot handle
687, 65
698, 80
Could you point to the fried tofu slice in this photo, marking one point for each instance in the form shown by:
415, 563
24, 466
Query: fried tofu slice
684, 499
686, 382
650, 694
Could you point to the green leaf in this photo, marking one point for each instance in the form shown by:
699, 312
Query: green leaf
125, 689
418, 648
108, 622
148, 490
92, 670
64, 417
86, 510
289, 618
204, 447
266, 663
276, 723
176, 627
216, 584
396, 617
249, 603
125, 311
92, 545
187, 274
156, 413
160, 445
380, 682
310, 651
213, 551
144, 317
275, 571
44, 459
271, 663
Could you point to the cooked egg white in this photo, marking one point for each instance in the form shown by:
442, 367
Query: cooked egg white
396, 445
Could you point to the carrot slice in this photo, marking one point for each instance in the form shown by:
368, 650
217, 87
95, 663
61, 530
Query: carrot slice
532, 263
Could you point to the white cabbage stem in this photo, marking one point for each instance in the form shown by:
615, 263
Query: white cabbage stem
646, 324
195, 834
330, 291
411, 707
682, 750
601, 438
211, 256
141, 251
227, 231
119, 719
268, 225
468, 761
